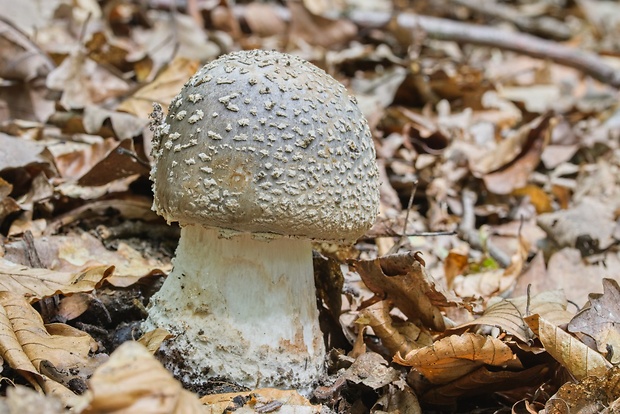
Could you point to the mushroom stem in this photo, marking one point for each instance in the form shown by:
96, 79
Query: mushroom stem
241, 308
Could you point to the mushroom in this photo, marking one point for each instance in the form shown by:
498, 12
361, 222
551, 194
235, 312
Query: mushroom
260, 154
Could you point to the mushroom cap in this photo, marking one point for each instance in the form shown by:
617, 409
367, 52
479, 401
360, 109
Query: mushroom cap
265, 142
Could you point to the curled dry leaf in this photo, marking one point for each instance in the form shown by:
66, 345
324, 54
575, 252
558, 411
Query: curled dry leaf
508, 314
35, 284
152, 340
404, 281
133, 381
397, 338
455, 356
319, 30
601, 319
580, 360
25, 342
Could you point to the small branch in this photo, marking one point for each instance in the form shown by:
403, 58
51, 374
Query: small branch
444, 29
543, 25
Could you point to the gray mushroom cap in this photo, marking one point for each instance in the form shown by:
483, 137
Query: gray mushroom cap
264, 142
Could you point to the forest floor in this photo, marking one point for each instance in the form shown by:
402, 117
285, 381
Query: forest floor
489, 282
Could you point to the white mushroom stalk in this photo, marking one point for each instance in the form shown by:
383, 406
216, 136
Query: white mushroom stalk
242, 309
260, 153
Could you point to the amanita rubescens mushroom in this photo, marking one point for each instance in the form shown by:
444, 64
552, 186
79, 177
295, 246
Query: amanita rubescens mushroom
260, 153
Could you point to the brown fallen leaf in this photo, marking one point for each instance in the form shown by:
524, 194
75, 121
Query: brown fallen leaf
455, 356
601, 320
404, 281
25, 342
152, 340
510, 164
398, 399
84, 82
579, 359
117, 164
133, 381
35, 284
161, 90
397, 338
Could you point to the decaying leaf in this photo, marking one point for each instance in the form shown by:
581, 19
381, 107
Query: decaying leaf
580, 360
133, 381
455, 356
35, 284
25, 342
372, 370
593, 394
601, 320
403, 280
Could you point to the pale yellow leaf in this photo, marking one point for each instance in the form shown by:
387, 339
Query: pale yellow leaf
579, 359
35, 284
152, 339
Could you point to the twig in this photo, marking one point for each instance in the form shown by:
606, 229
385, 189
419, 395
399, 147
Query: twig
543, 26
468, 232
444, 29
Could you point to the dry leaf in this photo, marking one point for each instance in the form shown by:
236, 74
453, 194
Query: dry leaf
319, 30
372, 370
161, 90
508, 314
25, 342
580, 360
152, 340
455, 356
591, 395
133, 381
35, 284
601, 320
591, 218
404, 281
117, 164
484, 381
400, 338
84, 82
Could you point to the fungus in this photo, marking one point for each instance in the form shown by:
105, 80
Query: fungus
240, 299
